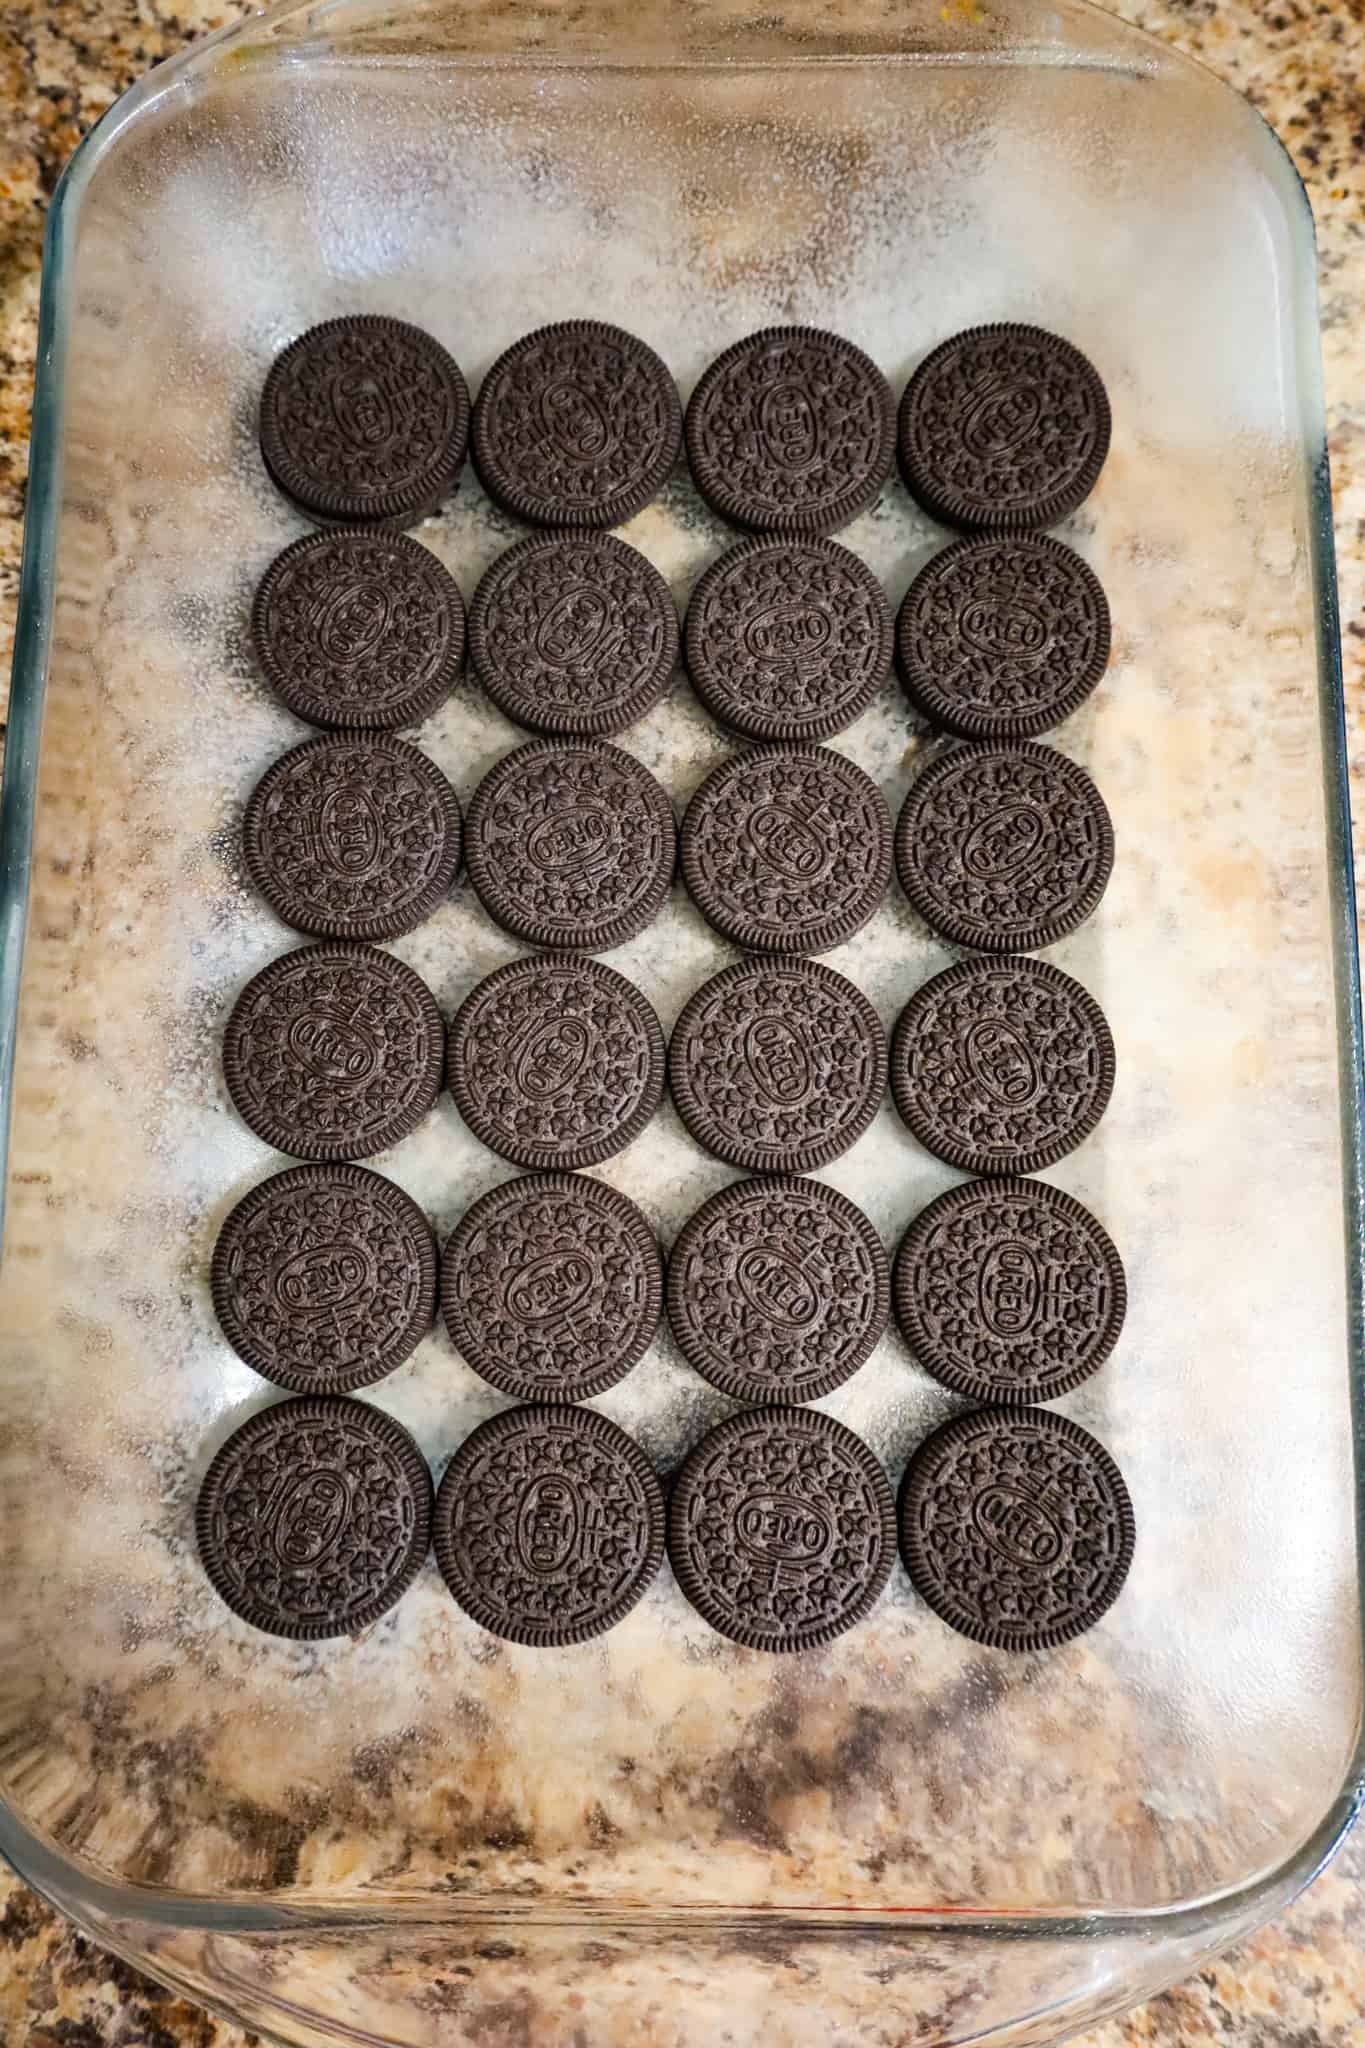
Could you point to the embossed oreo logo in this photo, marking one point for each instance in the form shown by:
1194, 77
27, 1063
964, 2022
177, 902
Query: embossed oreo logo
788, 842
1005, 842
1002, 418
307, 1516
775, 1287
551, 1056
778, 1061
577, 628
574, 422
548, 1524
363, 409
323, 1279
780, 1529
549, 1288
1003, 629
581, 836
331, 1046
1019, 1527
349, 623
1010, 1289
788, 427
350, 832
1001, 1063
784, 633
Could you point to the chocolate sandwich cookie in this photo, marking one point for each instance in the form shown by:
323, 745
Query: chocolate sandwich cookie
1002, 1066
781, 1528
556, 1062
787, 849
571, 843
324, 1278
549, 1525
788, 639
777, 1066
353, 836
998, 639
1009, 1291
552, 1287
315, 1517
577, 424
333, 1052
778, 1289
1004, 848
359, 631
574, 633
1016, 1527
791, 430
365, 419
1003, 429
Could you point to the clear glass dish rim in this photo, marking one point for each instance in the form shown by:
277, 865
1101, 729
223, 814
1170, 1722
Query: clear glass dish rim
95, 1901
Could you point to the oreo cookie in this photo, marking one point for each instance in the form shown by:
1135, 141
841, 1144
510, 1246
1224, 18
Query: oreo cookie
777, 1066
781, 1528
778, 1289
791, 430
788, 639
315, 1517
324, 1278
574, 634
1009, 1291
353, 836
552, 1287
999, 639
1002, 1066
549, 1525
1003, 429
333, 1052
577, 424
365, 419
1016, 1527
787, 849
1004, 848
556, 1062
571, 844
359, 631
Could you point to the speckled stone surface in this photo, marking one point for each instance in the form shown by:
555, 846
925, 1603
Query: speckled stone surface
1302, 1980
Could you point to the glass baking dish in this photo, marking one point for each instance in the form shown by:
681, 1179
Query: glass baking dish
424, 1835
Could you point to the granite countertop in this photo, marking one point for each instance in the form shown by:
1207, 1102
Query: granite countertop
1301, 1982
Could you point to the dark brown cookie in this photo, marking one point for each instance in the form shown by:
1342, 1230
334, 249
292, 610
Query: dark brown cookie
998, 639
1009, 1291
574, 633
1002, 1066
556, 1062
778, 1289
788, 639
353, 836
782, 1528
315, 1517
333, 1052
359, 631
791, 430
777, 1066
787, 849
1016, 1527
1004, 848
549, 1525
1003, 429
552, 1287
365, 419
324, 1278
571, 844
577, 424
